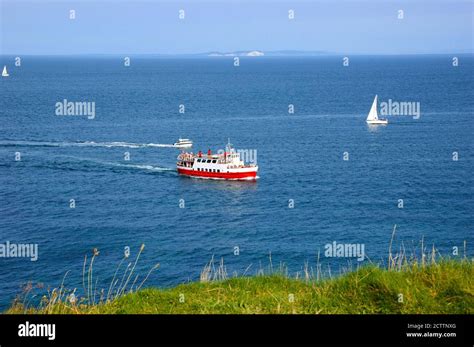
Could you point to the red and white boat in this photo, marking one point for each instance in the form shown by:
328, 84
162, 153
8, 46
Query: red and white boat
225, 166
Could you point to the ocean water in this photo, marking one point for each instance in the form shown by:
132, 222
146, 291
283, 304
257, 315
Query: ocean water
123, 203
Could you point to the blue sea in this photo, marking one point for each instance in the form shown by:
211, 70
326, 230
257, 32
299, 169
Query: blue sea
120, 203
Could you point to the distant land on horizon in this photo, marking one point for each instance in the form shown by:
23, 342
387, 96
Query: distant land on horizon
246, 53
260, 53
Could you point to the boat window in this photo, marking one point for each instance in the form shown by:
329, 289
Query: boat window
199, 160
214, 161
209, 161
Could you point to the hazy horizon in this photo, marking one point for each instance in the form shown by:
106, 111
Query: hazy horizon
204, 55
154, 27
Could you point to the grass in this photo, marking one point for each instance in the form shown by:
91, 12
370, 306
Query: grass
419, 283
443, 287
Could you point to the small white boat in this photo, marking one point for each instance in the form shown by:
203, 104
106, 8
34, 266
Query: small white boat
373, 117
5, 72
183, 143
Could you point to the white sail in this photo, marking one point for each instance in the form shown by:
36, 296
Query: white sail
4, 72
373, 111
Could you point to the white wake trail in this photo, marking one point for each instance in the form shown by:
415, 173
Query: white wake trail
141, 167
82, 144
72, 161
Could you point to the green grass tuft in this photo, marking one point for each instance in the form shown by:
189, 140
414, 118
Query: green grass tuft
443, 287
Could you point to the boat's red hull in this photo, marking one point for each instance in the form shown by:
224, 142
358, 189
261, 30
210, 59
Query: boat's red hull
219, 175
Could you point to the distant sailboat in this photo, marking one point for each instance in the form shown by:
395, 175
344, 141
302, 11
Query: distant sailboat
373, 117
4, 72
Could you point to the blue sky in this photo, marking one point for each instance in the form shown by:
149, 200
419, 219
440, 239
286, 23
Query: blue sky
153, 27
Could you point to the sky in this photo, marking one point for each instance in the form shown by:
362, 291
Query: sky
154, 27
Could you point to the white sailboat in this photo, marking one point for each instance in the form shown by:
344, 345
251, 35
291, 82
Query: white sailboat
373, 117
4, 72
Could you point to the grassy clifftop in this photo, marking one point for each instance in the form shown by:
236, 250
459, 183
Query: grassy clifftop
445, 287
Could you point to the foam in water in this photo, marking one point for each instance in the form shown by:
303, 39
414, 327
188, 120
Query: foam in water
82, 144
